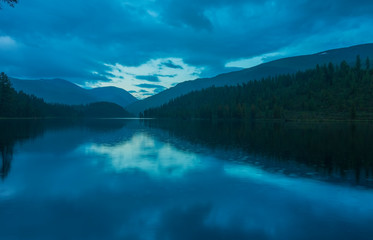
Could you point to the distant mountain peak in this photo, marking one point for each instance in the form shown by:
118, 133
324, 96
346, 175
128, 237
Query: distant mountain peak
65, 92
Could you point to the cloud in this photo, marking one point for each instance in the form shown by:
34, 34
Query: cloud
156, 88
149, 78
251, 62
7, 42
170, 64
185, 14
72, 39
137, 78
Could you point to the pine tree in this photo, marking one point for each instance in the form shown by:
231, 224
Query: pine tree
367, 64
6, 95
358, 63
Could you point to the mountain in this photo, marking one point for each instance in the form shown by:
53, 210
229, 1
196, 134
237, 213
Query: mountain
65, 92
113, 94
327, 92
274, 68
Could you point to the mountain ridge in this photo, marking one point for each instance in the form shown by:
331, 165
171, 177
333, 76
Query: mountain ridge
286, 65
65, 92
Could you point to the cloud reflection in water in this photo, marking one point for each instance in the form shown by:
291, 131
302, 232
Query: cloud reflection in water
146, 154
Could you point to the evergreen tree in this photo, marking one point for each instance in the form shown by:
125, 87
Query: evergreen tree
6, 96
367, 64
19, 104
327, 91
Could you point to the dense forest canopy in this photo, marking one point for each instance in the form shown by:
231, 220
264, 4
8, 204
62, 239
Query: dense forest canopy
325, 92
19, 104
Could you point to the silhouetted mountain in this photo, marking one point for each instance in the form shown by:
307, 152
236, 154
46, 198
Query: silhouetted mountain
326, 92
102, 110
15, 104
65, 92
113, 94
274, 68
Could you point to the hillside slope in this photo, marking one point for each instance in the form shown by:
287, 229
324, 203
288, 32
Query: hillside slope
65, 92
332, 92
112, 94
281, 66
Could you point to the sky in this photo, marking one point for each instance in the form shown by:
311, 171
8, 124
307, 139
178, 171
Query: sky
147, 46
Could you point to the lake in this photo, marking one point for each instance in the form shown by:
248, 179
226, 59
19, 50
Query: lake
152, 179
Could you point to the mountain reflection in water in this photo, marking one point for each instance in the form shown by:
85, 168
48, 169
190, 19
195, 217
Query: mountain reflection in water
131, 179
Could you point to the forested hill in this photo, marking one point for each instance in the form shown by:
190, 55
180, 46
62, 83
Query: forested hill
329, 91
64, 92
282, 66
18, 104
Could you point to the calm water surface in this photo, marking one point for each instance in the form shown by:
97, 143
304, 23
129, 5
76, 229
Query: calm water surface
131, 179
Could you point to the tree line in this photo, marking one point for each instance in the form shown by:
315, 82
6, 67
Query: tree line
15, 104
330, 91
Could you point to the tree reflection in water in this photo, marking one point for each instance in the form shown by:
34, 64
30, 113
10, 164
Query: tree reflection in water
337, 151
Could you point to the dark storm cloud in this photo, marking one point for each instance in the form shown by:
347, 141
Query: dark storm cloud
74, 39
148, 85
170, 64
149, 78
158, 88
185, 14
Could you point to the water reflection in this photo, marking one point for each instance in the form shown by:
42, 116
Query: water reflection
12, 132
125, 180
144, 153
17, 131
6, 159
338, 152
330, 152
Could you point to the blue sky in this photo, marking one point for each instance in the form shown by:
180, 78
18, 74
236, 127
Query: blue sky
146, 46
